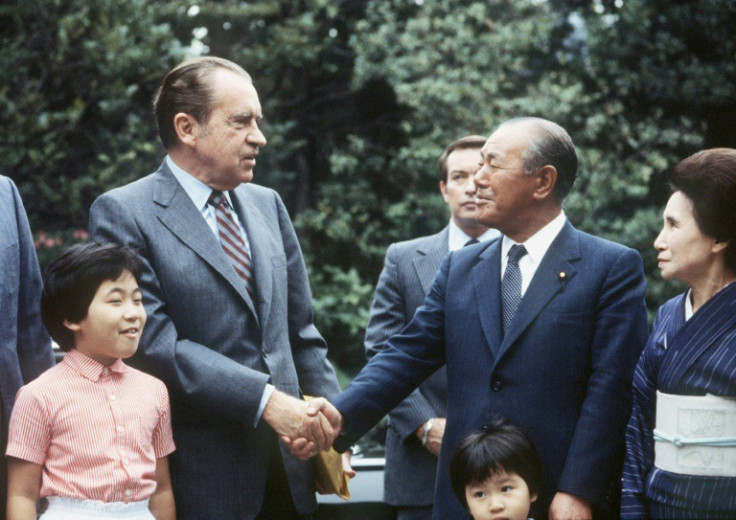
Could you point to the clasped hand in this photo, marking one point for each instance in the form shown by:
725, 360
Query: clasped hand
306, 428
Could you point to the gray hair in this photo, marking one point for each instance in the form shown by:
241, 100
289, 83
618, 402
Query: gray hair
549, 144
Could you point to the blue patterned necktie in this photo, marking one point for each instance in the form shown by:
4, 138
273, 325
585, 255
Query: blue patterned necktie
231, 239
511, 285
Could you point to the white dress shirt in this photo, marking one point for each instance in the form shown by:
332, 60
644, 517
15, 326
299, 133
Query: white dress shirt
200, 193
457, 238
536, 247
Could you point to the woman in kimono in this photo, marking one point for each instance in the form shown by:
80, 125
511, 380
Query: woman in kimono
681, 437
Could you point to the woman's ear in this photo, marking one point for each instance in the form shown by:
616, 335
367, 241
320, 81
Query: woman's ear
74, 327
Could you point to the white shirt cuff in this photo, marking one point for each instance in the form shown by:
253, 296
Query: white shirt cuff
264, 400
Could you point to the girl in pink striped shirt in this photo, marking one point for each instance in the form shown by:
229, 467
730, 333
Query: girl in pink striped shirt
91, 436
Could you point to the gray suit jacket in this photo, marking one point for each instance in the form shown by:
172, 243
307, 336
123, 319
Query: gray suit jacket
25, 348
408, 272
214, 346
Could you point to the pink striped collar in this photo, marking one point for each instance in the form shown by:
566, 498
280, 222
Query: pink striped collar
89, 368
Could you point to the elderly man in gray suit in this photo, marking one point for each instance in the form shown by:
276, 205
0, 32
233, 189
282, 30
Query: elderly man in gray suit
25, 347
417, 424
230, 328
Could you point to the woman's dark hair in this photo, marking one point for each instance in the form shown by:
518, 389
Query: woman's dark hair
501, 448
72, 280
708, 179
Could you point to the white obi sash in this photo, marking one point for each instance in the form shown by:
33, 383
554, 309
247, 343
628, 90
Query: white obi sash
696, 435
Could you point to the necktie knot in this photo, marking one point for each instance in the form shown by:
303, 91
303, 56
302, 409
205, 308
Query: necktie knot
216, 198
516, 252
470, 242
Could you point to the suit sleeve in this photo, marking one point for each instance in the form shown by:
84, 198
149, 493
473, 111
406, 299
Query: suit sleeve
388, 316
406, 360
200, 376
308, 347
593, 465
33, 343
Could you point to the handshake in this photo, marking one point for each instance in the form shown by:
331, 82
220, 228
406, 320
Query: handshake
307, 428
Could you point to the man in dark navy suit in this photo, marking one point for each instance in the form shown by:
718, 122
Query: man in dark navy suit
416, 426
542, 328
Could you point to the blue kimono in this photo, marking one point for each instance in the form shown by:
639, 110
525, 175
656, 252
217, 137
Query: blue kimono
692, 357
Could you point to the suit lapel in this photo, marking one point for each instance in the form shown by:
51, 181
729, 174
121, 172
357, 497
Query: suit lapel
486, 281
178, 214
427, 259
546, 283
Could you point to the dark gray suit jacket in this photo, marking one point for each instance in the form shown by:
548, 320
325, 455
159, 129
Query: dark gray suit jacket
214, 346
408, 272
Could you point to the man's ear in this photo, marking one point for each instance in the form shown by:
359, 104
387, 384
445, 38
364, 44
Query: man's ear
534, 497
443, 190
546, 180
74, 327
187, 128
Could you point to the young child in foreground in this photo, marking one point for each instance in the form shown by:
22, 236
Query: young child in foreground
496, 473
91, 434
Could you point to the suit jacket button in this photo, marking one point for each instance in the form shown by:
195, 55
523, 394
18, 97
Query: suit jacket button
496, 385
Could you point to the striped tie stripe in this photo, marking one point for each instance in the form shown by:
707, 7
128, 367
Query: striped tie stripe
231, 239
511, 285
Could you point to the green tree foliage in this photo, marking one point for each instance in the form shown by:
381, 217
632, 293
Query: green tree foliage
77, 80
663, 78
298, 56
360, 98
638, 84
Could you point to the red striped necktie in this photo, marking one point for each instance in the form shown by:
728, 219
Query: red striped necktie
231, 238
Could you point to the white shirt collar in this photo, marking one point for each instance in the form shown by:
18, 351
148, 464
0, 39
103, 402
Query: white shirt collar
198, 191
457, 238
536, 247
538, 244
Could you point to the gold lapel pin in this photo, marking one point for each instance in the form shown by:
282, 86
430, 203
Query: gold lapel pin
562, 275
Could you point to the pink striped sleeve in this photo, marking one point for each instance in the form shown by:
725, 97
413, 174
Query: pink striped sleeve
29, 431
163, 438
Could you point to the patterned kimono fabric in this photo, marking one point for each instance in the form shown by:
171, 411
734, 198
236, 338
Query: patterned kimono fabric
694, 357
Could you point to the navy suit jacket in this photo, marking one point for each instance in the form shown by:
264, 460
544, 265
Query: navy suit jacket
562, 372
408, 272
213, 345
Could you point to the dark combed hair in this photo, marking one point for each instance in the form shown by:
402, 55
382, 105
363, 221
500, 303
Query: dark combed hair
464, 143
708, 179
187, 88
72, 280
500, 448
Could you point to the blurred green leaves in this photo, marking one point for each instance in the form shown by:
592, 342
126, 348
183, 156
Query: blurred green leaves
359, 100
